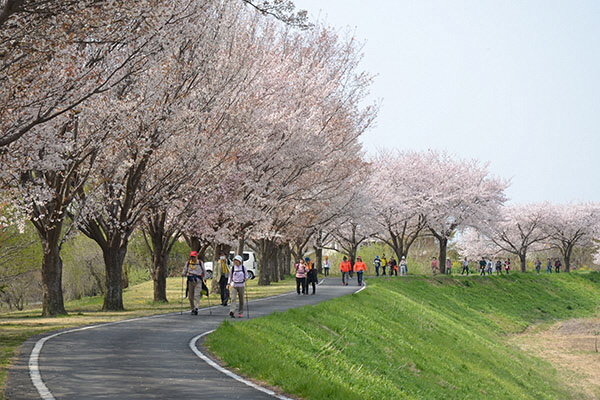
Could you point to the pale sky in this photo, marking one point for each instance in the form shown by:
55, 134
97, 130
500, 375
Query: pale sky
512, 83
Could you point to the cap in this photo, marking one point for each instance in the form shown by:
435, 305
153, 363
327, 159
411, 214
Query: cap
194, 254
306, 258
239, 258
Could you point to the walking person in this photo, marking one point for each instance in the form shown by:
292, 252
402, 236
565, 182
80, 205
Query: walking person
465, 266
557, 266
434, 266
507, 266
194, 271
482, 265
301, 272
498, 267
223, 268
312, 278
403, 266
345, 267
448, 266
538, 265
490, 266
383, 263
360, 267
326, 266
393, 266
377, 265
237, 285
549, 267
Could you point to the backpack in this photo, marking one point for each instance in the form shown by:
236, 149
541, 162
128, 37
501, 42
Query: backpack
233, 271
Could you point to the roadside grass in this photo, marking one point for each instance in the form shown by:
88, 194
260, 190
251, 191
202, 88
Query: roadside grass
18, 326
413, 338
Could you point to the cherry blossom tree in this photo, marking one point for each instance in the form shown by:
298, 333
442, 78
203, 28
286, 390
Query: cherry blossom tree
570, 225
520, 229
42, 175
153, 115
397, 209
452, 194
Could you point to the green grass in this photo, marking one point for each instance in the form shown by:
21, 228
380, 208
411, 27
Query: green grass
414, 338
18, 326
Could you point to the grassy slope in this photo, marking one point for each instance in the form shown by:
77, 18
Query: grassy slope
423, 338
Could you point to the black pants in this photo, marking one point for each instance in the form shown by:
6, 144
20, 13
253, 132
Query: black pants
301, 282
314, 286
223, 290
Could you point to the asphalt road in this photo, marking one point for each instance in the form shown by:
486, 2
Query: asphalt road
146, 358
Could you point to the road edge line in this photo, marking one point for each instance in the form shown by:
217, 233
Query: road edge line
227, 372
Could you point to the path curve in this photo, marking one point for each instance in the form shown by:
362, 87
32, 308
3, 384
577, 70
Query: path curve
142, 358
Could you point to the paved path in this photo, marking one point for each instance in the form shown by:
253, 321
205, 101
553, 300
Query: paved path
145, 358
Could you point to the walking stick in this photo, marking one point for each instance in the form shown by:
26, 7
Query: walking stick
181, 301
247, 303
208, 299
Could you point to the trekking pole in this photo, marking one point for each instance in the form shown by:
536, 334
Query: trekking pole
247, 303
208, 299
181, 301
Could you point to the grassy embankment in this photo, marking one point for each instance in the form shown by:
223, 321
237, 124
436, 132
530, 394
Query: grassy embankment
16, 327
416, 338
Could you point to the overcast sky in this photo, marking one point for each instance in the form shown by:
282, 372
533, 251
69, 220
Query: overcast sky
512, 83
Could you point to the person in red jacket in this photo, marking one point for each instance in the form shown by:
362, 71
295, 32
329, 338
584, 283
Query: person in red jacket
345, 268
359, 267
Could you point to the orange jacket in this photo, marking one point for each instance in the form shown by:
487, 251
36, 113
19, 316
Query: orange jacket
360, 266
345, 266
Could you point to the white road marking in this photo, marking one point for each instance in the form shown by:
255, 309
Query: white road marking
227, 372
46, 394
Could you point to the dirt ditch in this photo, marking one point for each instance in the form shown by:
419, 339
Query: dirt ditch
573, 348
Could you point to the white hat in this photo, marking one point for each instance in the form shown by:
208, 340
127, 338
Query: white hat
403, 257
239, 258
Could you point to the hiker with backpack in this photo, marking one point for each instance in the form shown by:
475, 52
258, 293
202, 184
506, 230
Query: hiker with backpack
194, 271
236, 284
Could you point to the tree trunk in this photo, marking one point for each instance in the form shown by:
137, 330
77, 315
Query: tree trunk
52, 295
268, 264
523, 259
160, 275
567, 255
443, 250
286, 260
113, 260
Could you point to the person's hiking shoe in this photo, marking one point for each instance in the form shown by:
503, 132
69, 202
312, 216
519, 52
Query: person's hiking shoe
231, 314
240, 315
195, 311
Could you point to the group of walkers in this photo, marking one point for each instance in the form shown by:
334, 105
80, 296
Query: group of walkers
487, 266
232, 282
391, 265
